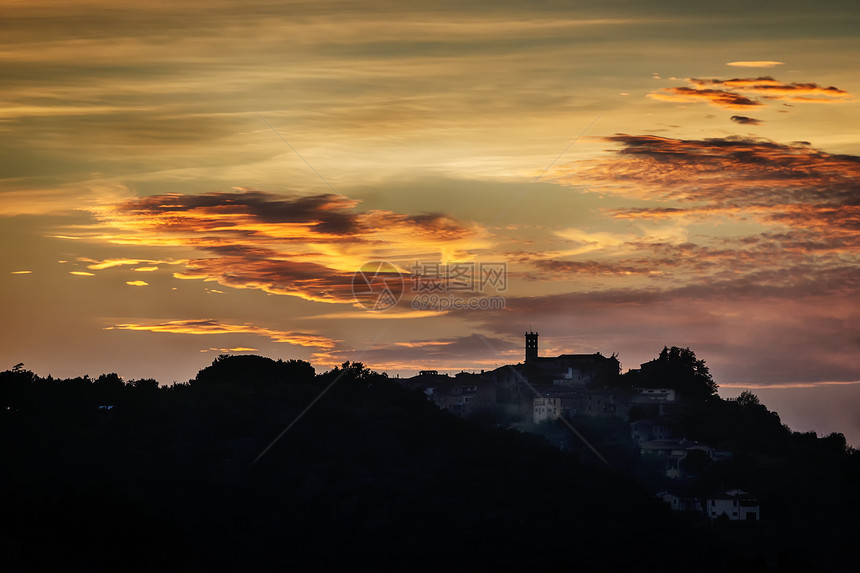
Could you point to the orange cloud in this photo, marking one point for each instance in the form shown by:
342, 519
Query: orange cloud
755, 64
111, 263
422, 344
211, 326
775, 89
137, 283
719, 98
308, 246
730, 93
273, 273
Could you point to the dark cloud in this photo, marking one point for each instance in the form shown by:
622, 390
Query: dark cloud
746, 120
326, 213
731, 172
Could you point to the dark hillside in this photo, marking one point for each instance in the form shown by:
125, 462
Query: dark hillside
105, 475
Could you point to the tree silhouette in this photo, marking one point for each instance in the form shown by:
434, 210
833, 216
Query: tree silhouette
679, 368
251, 371
747, 399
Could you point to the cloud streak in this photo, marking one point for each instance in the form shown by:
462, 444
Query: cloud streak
473, 351
738, 93
755, 64
213, 327
716, 97
729, 172
768, 87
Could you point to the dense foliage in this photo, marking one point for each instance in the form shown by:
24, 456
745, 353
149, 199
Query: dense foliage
676, 368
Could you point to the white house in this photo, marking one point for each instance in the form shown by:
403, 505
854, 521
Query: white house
736, 504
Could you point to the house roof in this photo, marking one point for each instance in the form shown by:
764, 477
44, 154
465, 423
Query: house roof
732, 494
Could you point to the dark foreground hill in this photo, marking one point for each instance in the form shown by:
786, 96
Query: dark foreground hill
101, 475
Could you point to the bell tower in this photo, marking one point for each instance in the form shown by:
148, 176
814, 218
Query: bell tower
531, 346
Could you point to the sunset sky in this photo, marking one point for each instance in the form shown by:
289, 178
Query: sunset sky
180, 180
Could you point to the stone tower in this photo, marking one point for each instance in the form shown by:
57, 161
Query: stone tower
531, 346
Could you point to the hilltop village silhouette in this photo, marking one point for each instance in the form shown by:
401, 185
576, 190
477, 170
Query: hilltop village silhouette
571, 386
259, 464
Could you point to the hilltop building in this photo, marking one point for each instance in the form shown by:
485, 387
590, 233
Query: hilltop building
542, 388
567, 369
537, 389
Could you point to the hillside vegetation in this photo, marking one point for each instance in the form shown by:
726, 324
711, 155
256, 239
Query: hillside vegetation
105, 475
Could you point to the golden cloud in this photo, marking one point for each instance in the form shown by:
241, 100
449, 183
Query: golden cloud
719, 98
304, 246
110, 263
774, 89
737, 93
211, 326
755, 64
